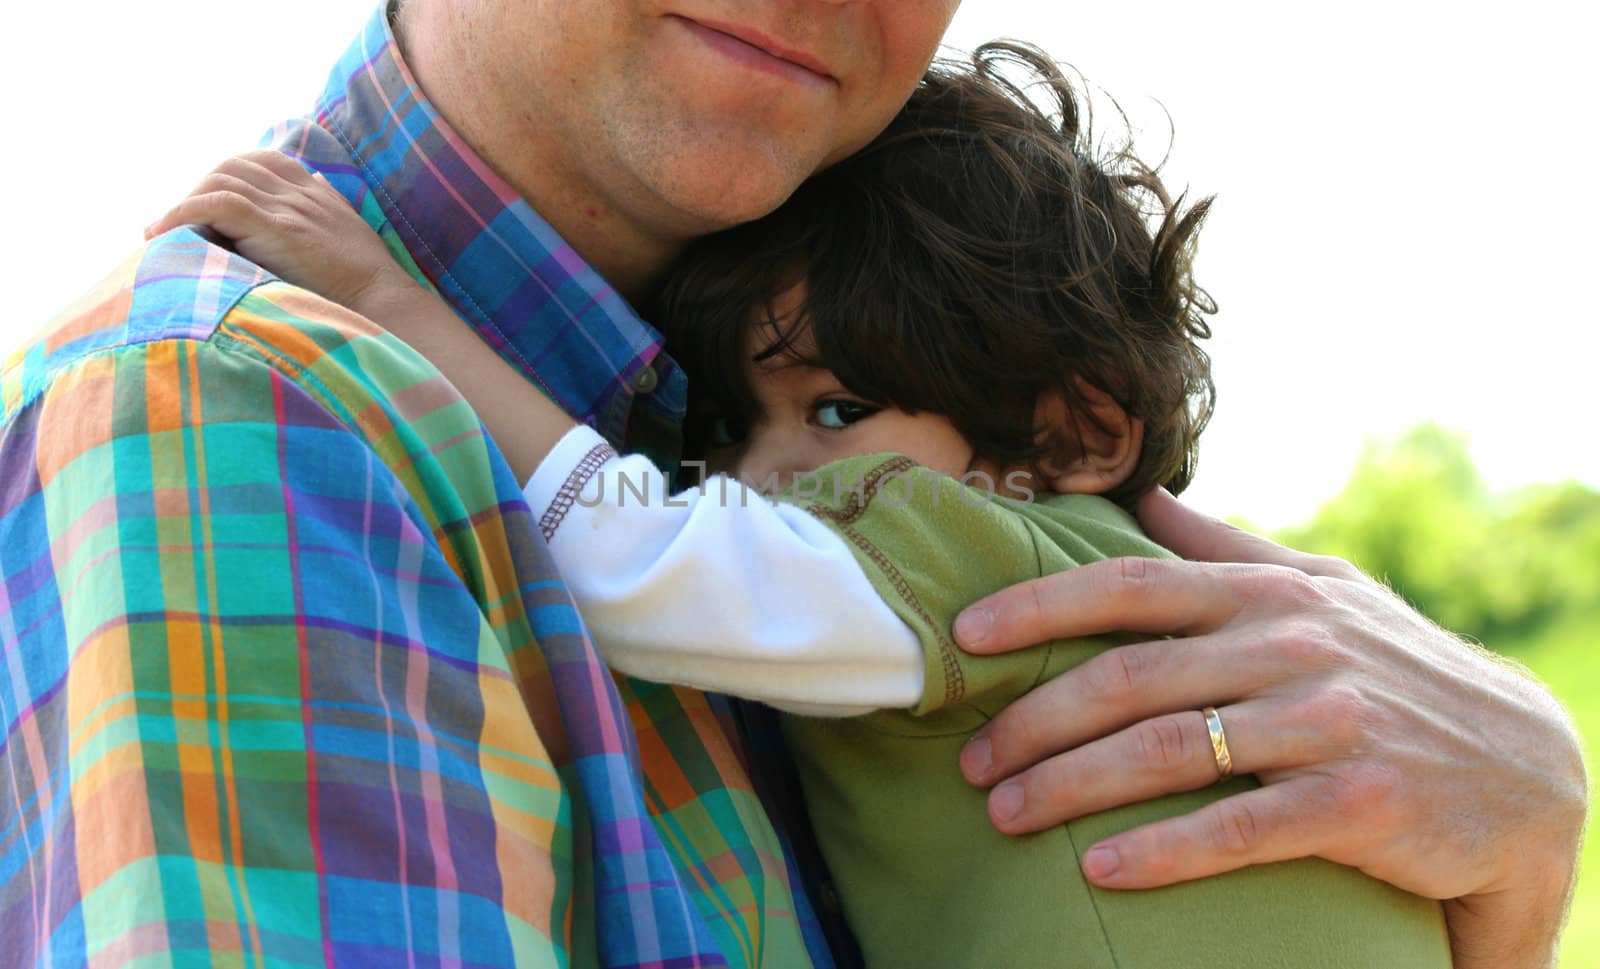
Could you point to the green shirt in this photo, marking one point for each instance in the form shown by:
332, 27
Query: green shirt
925, 879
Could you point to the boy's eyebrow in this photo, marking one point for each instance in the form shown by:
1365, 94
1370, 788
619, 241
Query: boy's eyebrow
785, 358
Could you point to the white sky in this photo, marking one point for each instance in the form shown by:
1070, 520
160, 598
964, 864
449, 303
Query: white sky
1406, 227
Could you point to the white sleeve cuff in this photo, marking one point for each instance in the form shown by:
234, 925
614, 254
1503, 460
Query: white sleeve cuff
719, 588
557, 483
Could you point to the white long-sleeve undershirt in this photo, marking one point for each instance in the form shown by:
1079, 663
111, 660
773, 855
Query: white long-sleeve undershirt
718, 588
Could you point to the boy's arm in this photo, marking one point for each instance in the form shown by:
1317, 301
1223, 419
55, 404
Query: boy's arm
718, 588
744, 599
295, 225
524, 423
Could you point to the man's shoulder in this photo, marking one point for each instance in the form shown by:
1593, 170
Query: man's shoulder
182, 287
179, 286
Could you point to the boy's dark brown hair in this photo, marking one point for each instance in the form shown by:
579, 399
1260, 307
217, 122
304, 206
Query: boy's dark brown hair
980, 253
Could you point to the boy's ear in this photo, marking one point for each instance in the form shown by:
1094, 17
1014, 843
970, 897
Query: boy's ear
1091, 453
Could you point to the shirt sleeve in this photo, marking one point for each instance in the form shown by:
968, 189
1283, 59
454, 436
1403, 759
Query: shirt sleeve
718, 588
251, 680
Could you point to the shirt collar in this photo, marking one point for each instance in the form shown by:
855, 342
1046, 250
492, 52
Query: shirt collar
500, 265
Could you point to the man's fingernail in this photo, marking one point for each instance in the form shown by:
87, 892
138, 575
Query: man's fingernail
976, 758
1006, 801
973, 625
1101, 862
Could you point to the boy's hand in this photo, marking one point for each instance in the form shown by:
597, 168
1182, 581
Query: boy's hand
295, 225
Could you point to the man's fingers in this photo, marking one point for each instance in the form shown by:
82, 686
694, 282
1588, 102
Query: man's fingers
1162, 755
1201, 538
1287, 820
1114, 690
1157, 596
1160, 596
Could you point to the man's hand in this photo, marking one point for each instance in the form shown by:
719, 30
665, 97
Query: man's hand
1382, 741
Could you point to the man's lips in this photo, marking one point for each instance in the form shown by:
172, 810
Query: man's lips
758, 51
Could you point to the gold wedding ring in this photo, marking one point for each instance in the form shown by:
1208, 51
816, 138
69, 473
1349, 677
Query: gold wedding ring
1219, 743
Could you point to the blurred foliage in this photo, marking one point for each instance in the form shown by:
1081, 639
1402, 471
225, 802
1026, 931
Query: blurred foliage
1496, 567
1519, 571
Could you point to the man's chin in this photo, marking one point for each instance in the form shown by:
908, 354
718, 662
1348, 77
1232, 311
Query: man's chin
718, 194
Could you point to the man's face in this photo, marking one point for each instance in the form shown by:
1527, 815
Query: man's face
698, 114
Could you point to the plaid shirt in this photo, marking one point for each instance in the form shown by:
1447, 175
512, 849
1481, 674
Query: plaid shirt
287, 677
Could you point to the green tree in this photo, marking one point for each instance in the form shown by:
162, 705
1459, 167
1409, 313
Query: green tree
1416, 513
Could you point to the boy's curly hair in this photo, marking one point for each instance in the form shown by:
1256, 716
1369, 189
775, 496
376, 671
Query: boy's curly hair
980, 253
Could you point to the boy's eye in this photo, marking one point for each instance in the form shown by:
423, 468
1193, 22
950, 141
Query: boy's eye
838, 414
726, 432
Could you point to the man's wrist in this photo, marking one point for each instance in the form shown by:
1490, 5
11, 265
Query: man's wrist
1517, 923
1511, 929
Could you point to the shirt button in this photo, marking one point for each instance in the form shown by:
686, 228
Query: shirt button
646, 380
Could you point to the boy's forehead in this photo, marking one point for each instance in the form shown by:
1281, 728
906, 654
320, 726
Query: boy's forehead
784, 341
788, 384
796, 358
